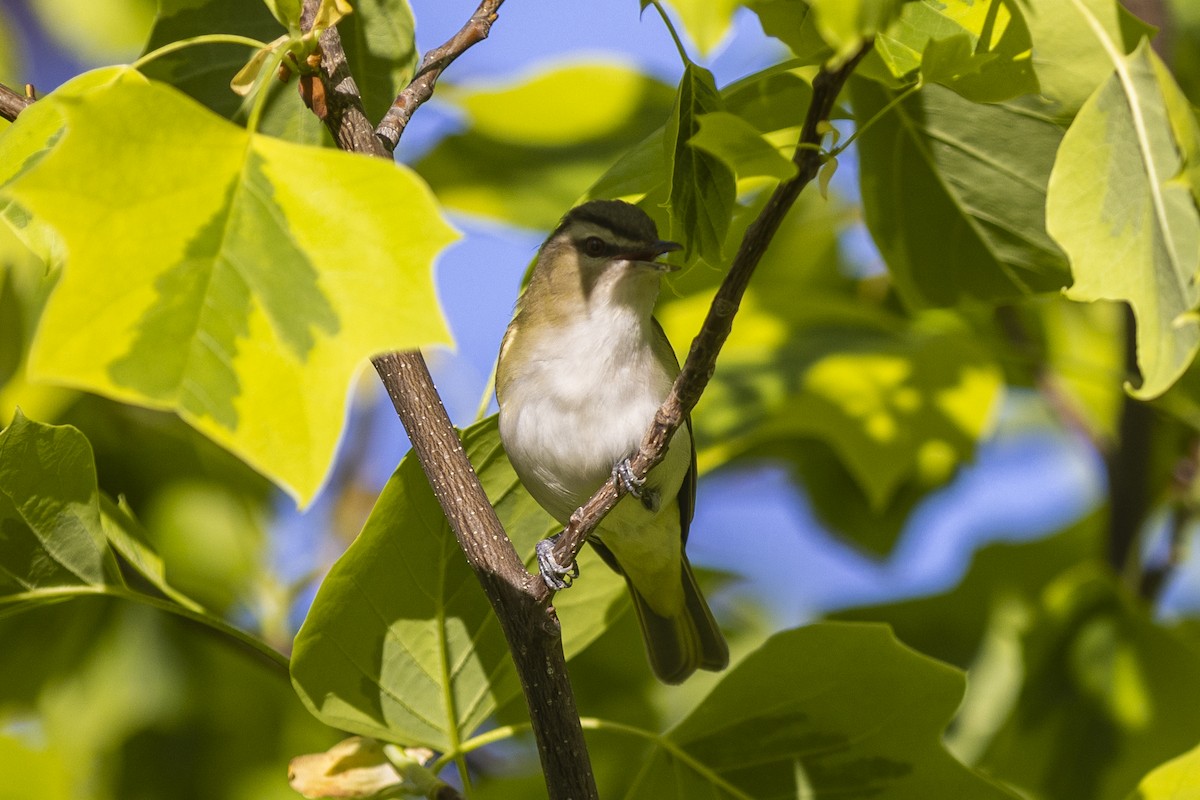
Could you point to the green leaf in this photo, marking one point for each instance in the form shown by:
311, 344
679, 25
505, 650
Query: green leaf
531, 149
954, 193
1070, 56
845, 24
741, 147
204, 71
1127, 221
401, 643
95, 32
702, 189
378, 39
50, 529
979, 49
951, 625
812, 361
380, 43
833, 709
249, 290
706, 21
1178, 779
1107, 696
794, 23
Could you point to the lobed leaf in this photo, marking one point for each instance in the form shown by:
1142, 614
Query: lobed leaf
248, 291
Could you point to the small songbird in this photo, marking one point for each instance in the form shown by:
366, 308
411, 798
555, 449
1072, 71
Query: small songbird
583, 368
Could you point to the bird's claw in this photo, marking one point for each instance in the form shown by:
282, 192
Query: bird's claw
632, 484
556, 576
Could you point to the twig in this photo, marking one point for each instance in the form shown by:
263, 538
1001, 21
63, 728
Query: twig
12, 103
420, 89
702, 358
518, 598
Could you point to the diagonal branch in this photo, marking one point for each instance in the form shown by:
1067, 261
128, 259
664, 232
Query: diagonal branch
420, 89
702, 357
518, 598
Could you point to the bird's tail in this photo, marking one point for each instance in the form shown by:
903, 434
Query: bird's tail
679, 645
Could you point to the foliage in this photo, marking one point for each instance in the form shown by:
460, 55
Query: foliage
191, 276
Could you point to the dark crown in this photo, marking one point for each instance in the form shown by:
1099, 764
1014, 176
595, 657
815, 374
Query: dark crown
624, 219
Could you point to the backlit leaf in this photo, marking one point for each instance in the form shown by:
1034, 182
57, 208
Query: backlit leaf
1128, 223
978, 48
242, 295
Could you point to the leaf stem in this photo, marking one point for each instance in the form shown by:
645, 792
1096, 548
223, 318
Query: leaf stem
866, 126
674, 34
252, 643
208, 38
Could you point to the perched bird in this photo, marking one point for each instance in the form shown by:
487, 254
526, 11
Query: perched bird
583, 368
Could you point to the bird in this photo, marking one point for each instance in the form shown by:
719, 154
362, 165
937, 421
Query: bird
583, 367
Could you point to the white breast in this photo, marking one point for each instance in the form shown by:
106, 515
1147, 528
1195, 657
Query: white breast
582, 401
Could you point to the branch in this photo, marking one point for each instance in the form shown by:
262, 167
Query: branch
518, 598
12, 103
702, 358
420, 89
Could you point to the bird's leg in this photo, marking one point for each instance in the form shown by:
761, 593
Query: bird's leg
623, 474
556, 576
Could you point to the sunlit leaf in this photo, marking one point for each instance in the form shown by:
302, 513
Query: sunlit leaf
98, 31
741, 147
401, 643
794, 23
1069, 56
531, 150
705, 21
851, 712
249, 291
1178, 779
845, 24
1129, 225
954, 193
979, 48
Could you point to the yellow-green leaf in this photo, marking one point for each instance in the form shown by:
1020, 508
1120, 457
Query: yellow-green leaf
1129, 225
1178, 779
237, 279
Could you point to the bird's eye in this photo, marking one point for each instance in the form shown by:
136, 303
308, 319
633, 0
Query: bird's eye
593, 246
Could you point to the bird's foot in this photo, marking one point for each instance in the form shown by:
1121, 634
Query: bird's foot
623, 474
556, 576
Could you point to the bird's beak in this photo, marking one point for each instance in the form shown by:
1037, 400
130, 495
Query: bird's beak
648, 256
